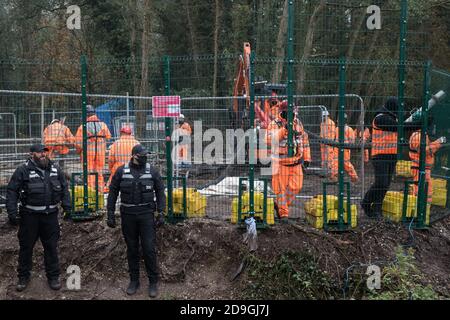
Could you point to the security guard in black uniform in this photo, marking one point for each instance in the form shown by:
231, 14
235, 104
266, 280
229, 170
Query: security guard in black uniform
38, 186
139, 184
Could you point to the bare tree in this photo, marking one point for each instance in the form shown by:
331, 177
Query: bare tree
193, 37
280, 44
309, 43
145, 52
217, 26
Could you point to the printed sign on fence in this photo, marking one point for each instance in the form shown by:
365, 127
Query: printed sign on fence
166, 106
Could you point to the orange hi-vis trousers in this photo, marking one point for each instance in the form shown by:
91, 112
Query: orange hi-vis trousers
348, 166
287, 181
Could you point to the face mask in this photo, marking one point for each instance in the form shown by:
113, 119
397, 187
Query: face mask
141, 159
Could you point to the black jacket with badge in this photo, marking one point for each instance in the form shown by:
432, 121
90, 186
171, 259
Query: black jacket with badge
138, 187
38, 190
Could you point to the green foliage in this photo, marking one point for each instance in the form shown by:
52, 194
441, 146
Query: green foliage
291, 275
403, 281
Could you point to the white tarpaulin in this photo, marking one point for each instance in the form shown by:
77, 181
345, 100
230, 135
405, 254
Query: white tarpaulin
230, 186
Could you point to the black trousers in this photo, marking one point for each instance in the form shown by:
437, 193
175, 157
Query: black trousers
384, 169
34, 226
140, 228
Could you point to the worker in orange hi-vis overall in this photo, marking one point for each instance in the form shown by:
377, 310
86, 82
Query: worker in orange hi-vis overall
97, 134
120, 151
287, 172
414, 154
184, 130
327, 131
349, 137
58, 138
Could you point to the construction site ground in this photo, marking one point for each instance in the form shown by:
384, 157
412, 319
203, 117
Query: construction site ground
198, 258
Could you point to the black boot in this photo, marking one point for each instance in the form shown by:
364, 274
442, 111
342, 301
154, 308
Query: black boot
22, 284
153, 290
54, 284
132, 287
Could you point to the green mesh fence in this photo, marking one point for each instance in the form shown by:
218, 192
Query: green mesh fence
320, 57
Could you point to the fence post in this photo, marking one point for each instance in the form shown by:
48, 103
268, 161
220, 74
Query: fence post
422, 197
252, 144
42, 117
401, 78
290, 73
341, 125
83, 117
168, 132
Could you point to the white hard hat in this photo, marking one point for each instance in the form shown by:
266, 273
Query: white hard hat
325, 113
181, 116
54, 120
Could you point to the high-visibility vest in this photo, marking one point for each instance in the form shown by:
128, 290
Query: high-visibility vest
383, 142
414, 150
280, 151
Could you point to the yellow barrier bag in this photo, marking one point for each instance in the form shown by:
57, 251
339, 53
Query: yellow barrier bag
403, 169
332, 216
195, 203
439, 183
258, 206
79, 199
439, 197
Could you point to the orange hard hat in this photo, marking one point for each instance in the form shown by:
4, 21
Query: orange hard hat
126, 130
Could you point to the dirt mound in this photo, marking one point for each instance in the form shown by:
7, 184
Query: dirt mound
198, 258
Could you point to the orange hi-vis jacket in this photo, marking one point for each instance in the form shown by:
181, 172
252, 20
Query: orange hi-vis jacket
414, 154
327, 131
187, 130
97, 134
277, 136
414, 150
57, 137
120, 152
383, 142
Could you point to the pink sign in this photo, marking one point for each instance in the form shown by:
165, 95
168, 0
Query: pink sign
166, 106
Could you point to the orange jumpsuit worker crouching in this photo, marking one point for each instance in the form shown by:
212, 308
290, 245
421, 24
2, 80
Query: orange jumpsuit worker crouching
58, 138
97, 134
120, 151
287, 172
414, 154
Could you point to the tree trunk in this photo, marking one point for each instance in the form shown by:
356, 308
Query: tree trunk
349, 56
363, 72
193, 38
280, 45
145, 52
308, 45
216, 46
133, 43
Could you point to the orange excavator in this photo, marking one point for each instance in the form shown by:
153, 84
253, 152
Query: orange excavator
266, 95
267, 101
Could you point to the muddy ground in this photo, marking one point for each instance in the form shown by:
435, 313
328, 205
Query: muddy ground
199, 257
